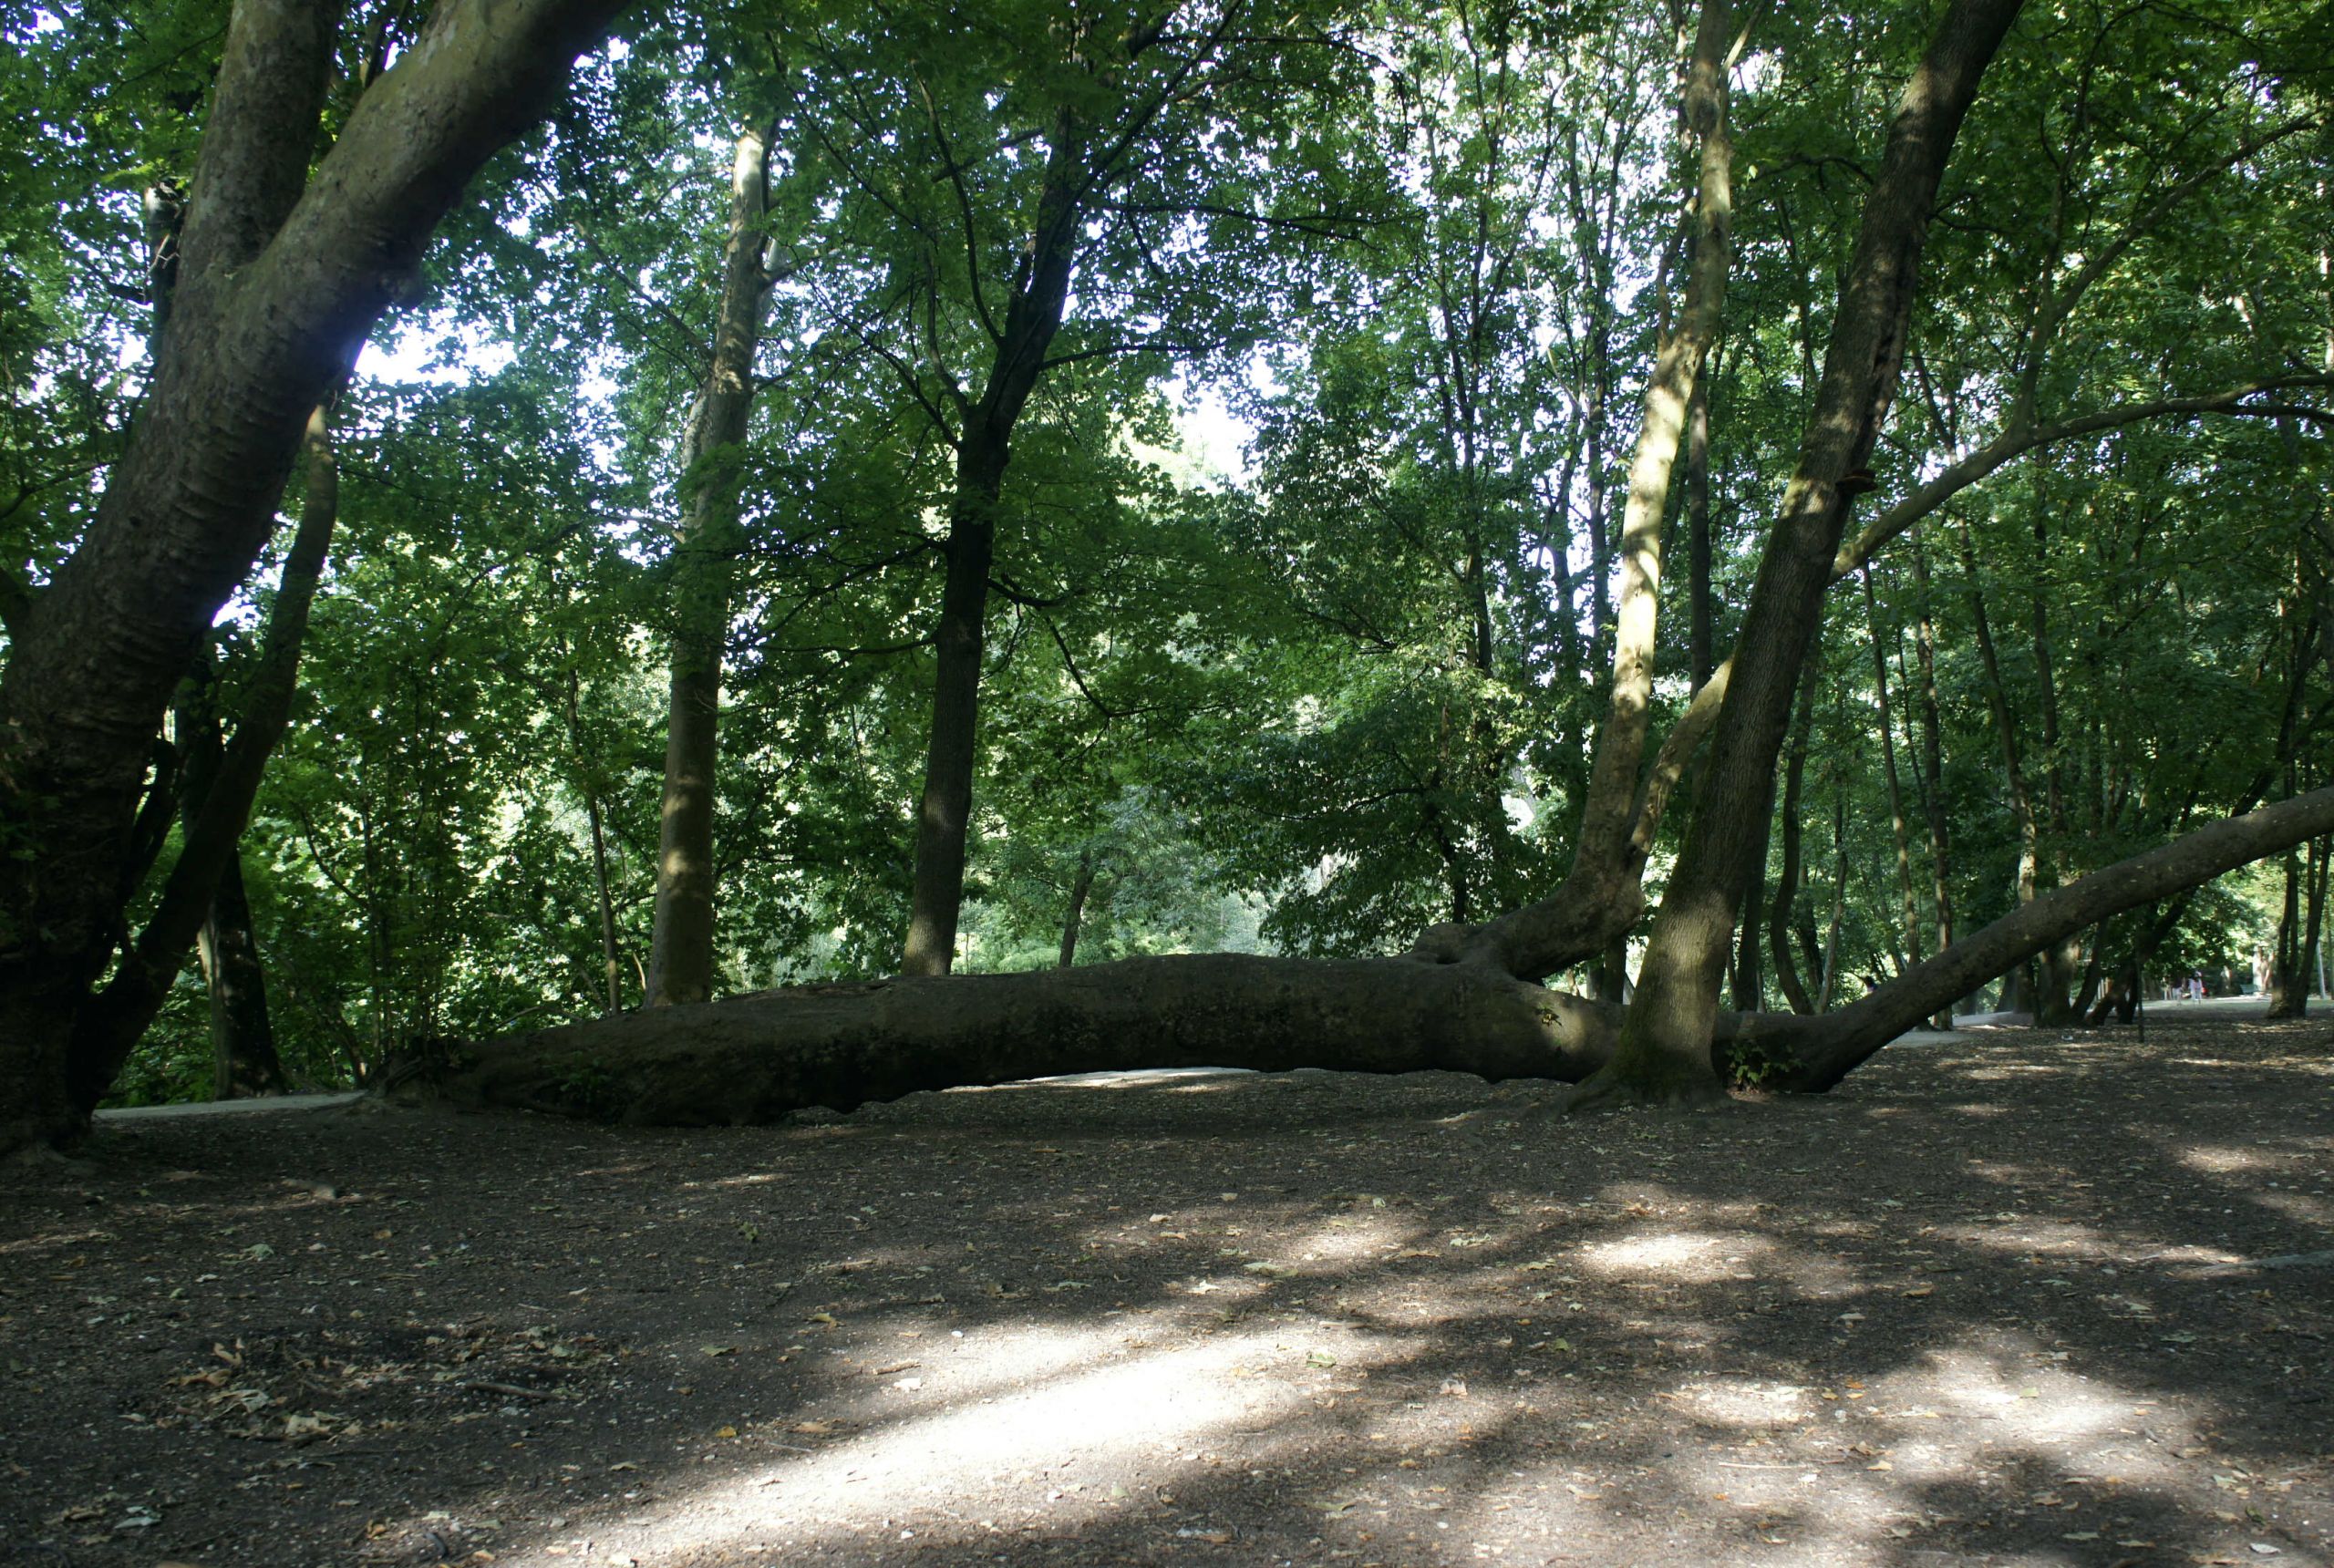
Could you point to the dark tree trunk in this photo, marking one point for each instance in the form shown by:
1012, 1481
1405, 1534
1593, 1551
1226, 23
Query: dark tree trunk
1033, 317
2314, 946
243, 1061
220, 791
1778, 924
1747, 980
2289, 968
279, 277
1665, 1051
755, 1058
681, 947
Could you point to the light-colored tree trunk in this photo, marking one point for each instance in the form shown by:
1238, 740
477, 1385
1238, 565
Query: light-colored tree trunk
681, 948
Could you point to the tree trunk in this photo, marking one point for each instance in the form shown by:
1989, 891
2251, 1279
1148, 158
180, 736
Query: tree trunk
1930, 767
1081, 886
1602, 895
1830, 989
610, 954
1665, 1051
1779, 928
243, 1060
681, 949
107, 1026
1032, 318
1896, 824
1812, 1055
1699, 637
1747, 981
755, 1058
279, 277
2290, 969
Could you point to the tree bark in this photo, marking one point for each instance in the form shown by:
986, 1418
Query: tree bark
681, 952
1665, 1051
1787, 975
2289, 967
280, 276
1913, 945
243, 1061
1033, 317
753, 1058
1699, 637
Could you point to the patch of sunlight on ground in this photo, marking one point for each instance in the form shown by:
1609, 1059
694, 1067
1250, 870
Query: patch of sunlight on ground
1154, 1407
1686, 1257
2225, 1160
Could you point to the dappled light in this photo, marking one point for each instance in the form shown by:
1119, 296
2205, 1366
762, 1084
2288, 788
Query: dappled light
1316, 1316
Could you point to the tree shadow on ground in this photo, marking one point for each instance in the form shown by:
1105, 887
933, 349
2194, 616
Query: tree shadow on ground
1989, 1302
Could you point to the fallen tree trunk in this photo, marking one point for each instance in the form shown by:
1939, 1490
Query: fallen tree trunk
753, 1058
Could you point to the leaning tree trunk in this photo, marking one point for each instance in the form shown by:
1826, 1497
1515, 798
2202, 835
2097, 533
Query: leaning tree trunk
1033, 315
753, 1058
1665, 1049
108, 1025
1811, 1054
680, 960
279, 277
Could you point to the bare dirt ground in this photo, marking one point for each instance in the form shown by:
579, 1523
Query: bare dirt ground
2009, 1299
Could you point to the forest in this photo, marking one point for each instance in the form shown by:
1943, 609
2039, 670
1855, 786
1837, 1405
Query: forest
677, 563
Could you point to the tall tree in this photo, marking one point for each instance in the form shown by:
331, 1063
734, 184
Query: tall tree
1665, 1048
681, 962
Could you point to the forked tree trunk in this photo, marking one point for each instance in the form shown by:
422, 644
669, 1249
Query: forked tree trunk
1665, 1051
279, 277
1602, 895
680, 960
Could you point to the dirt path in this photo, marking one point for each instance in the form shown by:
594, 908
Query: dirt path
2000, 1300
